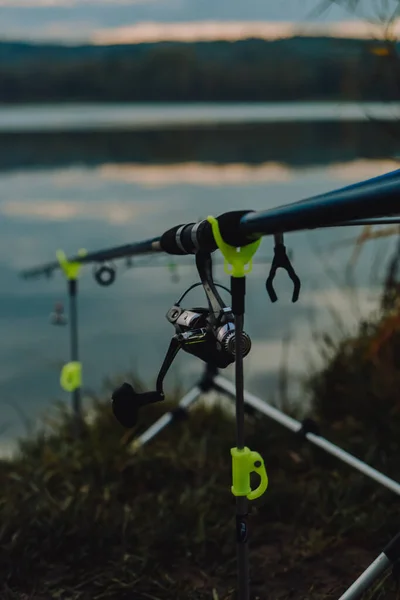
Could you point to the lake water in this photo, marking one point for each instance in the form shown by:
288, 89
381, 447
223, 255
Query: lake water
61, 187
138, 116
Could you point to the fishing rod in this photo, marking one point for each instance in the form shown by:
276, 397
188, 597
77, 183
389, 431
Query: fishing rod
105, 273
216, 334
152, 246
370, 202
100, 256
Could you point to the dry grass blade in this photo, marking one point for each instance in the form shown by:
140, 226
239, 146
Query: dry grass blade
98, 523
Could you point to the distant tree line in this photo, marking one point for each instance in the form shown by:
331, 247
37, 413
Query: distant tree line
313, 69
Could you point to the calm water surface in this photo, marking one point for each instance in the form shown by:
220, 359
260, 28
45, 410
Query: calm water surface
87, 116
94, 204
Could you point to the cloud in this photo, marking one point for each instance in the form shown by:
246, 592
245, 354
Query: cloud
362, 169
60, 210
203, 174
196, 174
234, 30
70, 3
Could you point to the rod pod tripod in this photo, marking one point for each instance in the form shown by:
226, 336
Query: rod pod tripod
309, 431
216, 336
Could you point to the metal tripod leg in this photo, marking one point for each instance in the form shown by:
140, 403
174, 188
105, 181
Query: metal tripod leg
76, 394
166, 419
226, 386
386, 559
204, 385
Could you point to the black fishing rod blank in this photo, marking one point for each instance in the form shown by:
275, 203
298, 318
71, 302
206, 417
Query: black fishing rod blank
309, 431
358, 204
372, 199
387, 559
100, 256
378, 197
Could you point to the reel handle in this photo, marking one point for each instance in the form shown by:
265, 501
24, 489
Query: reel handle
126, 403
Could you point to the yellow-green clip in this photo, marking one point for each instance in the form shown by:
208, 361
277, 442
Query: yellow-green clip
71, 376
239, 259
245, 462
71, 269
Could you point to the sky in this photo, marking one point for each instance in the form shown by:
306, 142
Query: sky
105, 21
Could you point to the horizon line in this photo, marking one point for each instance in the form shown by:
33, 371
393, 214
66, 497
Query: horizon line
208, 31
192, 31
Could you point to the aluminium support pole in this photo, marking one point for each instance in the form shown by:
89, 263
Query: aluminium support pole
389, 557
167, 418
224, 385
74, 347
205, 384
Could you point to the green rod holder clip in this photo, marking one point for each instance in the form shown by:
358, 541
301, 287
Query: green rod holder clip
245, 462
71, 376
238, 262
71, 270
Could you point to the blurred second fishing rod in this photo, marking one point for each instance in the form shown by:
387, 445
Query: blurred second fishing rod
367, 203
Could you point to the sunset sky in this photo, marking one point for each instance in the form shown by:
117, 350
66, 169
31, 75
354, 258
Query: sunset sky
105, 21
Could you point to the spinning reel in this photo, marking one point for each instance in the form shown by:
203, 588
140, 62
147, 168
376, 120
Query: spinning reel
207, 333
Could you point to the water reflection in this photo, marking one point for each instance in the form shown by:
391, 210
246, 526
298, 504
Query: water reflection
290, 143
123, 327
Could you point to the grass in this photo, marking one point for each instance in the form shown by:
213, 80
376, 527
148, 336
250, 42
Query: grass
87, 520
